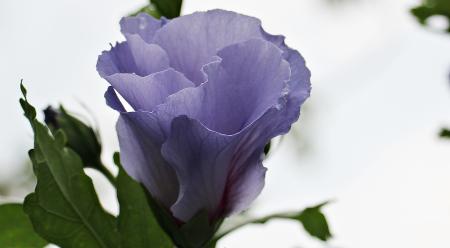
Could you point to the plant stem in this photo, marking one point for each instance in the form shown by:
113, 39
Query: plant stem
262, 220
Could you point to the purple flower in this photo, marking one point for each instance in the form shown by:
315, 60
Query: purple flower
208, 91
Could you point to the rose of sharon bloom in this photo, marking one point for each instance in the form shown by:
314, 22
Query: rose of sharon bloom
208, 91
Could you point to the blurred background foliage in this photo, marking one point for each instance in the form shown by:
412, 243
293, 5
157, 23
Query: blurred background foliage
432, 8
157, 8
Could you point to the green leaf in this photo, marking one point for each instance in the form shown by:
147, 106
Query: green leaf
64, 209
168, 8
267, 148
445, 133
197, 232
137, 225
430, 8
149, 9
79, 137
314, 222
16, 230
157, 8
29, 111
312, 219
23, 89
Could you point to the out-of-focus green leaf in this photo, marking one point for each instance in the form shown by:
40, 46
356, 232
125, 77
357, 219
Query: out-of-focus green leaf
267, 148
168, 8
430, 8
137, 225
311, 218
64, 209
158, 8
16, 230
149, 9
445, 133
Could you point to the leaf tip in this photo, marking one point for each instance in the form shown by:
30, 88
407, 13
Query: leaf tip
60, 138
116, 159
23, 89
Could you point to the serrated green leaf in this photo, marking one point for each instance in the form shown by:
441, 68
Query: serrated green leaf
137, 225
16, 230
64, 209
29, 111
168, 8
79, 137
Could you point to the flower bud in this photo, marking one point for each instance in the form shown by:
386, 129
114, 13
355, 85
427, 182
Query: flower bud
80, 137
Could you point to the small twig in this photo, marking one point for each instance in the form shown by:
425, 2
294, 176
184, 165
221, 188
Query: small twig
262, 220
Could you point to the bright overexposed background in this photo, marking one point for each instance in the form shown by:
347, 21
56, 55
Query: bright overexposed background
367, 137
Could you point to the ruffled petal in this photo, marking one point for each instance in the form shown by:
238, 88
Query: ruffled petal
116, 60
133, 56
143, 25
249, 79
192, 40
246, 178
144, 93
140, 140
113, 101
299, 83
219, 173
149, 58
198, 157
245, 184
246, 173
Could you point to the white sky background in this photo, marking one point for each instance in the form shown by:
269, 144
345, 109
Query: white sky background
367, 135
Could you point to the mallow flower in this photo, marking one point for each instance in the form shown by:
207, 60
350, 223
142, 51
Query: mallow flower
206, 92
